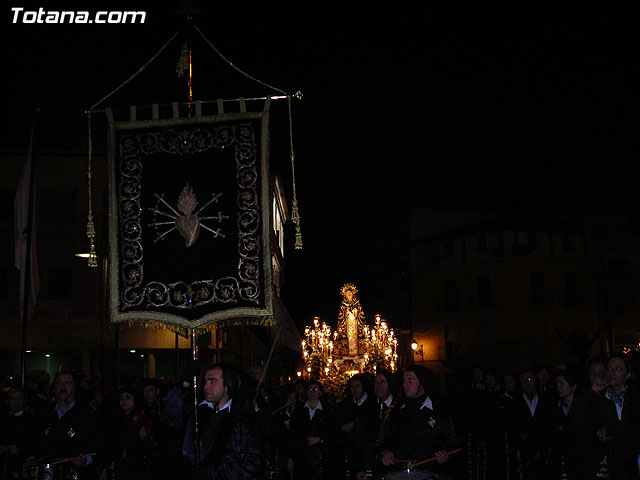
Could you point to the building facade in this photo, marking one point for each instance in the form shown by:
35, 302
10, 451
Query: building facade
509, 292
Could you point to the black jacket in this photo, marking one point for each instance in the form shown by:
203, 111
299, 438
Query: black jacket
231, 447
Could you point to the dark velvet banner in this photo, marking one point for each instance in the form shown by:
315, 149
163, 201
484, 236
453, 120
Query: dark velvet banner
189, 220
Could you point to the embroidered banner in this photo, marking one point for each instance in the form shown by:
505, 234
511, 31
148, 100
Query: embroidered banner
189, 220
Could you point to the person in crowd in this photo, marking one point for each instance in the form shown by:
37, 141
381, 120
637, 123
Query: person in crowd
507, 402
510, 385
422, 427
164, 412
20, 435
37, 398
491, 438
530, 424
282, 425
300, 388
387, 397
543, 379
470, 420
564, 453
74, 432
359, 422
585, 414
619, 420
230, 447
131, 448
313, 445
384, 390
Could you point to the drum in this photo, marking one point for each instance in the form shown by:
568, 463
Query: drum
45, 472
410, 475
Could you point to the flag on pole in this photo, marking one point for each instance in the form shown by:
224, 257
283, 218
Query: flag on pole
24, 226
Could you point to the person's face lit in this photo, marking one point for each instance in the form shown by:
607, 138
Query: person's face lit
617, 372
528, 382
356, 389
214, 389
598, 376
151, 394
509, 383
564, 388
381, 387
543, 376
411, 385
15, 401
127, 402
313, 392
490, 381
64, 388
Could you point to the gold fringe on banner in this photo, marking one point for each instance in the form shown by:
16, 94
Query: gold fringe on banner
186, 332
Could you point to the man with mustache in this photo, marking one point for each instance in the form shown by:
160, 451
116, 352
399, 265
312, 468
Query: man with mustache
74, 431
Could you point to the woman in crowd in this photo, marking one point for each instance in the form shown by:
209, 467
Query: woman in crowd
564, 454
131, 445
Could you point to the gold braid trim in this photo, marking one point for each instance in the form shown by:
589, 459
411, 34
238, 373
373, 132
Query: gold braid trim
186, 332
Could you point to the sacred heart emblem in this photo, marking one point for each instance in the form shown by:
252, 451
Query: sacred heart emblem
188, 224
188, 221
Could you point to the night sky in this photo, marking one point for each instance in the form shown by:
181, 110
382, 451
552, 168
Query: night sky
459, 105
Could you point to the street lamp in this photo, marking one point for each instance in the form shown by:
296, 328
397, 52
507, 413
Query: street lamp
416, 350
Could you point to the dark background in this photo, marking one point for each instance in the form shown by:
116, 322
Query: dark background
472, 106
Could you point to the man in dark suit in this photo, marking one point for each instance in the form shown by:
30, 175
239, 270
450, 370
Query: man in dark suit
530, 424
359, 422
421, 426
313, 447
20, 435
74, 431
231, 447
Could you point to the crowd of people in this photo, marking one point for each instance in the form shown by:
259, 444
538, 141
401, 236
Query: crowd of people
564, 422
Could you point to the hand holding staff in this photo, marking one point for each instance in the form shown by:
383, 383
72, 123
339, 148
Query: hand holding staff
410, 463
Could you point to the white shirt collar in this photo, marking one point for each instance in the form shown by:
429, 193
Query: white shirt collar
388, 401
532, 404
318, 407
362, 399
226, 406
427, 403
312, 411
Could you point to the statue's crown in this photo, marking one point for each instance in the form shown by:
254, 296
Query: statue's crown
348, 287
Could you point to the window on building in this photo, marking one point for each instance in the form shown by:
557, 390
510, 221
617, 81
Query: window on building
618, 264
448, 248
536, 280
572, 289
483, 287
451, 294
57, 211
481, 244
620, 299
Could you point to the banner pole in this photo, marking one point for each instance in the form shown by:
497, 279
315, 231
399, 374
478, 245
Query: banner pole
26, 286
196, 430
